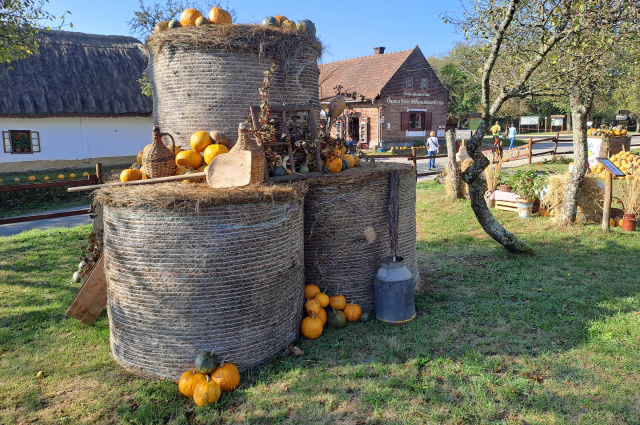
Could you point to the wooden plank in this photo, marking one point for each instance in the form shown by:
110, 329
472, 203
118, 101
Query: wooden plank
506, 206
91, 298
606, 207
139, 182
13, 220
72, 183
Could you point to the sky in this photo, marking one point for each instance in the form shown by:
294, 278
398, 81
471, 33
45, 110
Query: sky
347, 28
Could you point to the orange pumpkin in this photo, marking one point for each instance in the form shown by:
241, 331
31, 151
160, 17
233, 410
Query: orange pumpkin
311, 327
312, 306
226, 376
353, 312
212, 151
206, 392
334, 165
130, 175
311, 291
218, 15
349, 159
161, 26
189, 380
139, 158
199, 141
322, 315
338, 302
280, 19
188, 17
323, 299
32, 178
189, 158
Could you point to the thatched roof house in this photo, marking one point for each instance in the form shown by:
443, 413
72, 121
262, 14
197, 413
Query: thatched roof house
77, 101
76, 74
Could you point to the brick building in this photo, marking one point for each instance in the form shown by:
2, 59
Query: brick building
399, 99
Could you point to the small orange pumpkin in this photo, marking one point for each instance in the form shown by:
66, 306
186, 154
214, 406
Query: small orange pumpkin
323, 299
338, 302
189, 16
218, 15
311, 291
206, 392
189, 158
334, 165
189, 380
322, 315
311, 327
312, 306
226, 376
199, 141
139, 158
280, 19
32, 178
129, 175
353, 312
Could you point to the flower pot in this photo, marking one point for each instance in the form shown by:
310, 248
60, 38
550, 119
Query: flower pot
629, 223
524, 208
505, 188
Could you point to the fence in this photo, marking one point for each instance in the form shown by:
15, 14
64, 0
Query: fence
92, 179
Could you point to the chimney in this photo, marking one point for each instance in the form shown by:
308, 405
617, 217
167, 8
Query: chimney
379, 50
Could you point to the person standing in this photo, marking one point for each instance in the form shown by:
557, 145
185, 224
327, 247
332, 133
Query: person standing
512, 135
433, 147
496, 133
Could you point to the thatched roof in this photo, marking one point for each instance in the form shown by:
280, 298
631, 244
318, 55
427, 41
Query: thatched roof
76, 74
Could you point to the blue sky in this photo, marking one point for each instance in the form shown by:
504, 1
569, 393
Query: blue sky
348, 28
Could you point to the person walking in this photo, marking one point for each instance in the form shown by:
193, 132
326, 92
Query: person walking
512, 135
496, 133
433, 147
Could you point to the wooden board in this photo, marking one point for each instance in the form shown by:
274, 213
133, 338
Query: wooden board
91, 298
232, 169
506, 206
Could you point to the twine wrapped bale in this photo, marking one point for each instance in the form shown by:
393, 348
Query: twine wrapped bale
192, 269
347, 228
590, 198
207, 77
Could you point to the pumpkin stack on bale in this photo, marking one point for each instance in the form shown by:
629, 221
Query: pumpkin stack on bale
347, 229
207, 77
191, 269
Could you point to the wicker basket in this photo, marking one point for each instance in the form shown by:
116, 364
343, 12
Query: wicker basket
158, 160
248, 142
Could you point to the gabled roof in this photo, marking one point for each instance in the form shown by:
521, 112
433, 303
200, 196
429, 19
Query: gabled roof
366, 75
76, 74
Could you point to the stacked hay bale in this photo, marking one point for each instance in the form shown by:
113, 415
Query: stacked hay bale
207, 77
590, 198
347, 229
192, 269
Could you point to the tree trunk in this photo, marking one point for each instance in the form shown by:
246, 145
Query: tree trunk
580, 106
569, 122
471, 176
452, 167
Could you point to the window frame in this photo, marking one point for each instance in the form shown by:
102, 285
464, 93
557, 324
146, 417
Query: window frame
34, 141
424, 83
416, 121
409, 82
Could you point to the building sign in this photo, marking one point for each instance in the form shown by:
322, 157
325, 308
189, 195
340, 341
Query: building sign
414, 101
463, 134
440, 133
416, 94
529, 120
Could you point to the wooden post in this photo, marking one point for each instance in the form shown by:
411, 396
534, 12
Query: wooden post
413, 154
606, 208
555, 144
99, 172
530, 150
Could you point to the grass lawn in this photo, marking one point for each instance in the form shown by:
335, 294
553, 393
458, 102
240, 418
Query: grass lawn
551, 338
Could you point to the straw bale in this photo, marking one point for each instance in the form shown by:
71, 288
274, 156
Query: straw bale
206, 78
227, 277
590, 198
347, 229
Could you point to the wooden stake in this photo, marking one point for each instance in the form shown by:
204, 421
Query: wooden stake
606, 208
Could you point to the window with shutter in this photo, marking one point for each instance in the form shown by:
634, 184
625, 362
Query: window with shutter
6, 141
405, 118
424, 84
35, 141
427, 120
409, 82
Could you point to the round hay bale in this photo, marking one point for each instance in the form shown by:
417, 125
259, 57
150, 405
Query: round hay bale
207, 77
191, 269
346, 229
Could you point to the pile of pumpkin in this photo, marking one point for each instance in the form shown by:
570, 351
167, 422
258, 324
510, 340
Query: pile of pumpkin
282, 22
208, 379
46, 178
317, 317
604, 131
340, 160
204, 147
627, 162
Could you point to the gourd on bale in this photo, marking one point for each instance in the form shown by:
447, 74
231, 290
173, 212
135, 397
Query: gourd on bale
199, 141
334, 165
212, 151
189, 380
226, 376
174, 24
322, 299
338, 302
270, 21
201, 21
130, 175
161, 26
345, 164
189, 16
206, 362
220, 138
312, 306
288, 24
206, 392
352, 312
322, 315
280, 19
349, 158
304, 168
218, 15
311, 327
311, 291
309, 27
190, 158
336, 319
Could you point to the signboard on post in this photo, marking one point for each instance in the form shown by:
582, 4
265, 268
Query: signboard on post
593, 150
529, 120
463, 134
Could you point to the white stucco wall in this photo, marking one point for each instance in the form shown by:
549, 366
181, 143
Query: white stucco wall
81, 138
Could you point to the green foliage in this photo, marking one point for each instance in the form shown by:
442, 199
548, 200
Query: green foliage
529, 184
20, 22
145, 85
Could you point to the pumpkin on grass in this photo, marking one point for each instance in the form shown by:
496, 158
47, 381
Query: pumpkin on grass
46, 178
32, 178
226, 376
312, 306
206, 362
130, 175
311, 327
61, 176
338, 302
73, 176
322, 315
212, 151
336, 319
218, 15
206, 392
189, 380
311, 291
352, 312
189, 158
323, 299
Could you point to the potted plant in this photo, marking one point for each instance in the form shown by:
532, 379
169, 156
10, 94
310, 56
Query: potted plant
528, 185
630, 198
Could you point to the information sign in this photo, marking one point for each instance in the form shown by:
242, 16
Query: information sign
529, 120
463, 134
611, 167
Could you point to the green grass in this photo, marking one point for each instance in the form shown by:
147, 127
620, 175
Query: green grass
551, 338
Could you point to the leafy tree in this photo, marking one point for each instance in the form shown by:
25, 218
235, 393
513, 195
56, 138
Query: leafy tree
20, 22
